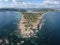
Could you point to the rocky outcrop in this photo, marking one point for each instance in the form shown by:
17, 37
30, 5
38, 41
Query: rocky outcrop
28, 31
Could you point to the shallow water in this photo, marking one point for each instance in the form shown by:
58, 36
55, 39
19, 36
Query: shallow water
8, 22
48, 35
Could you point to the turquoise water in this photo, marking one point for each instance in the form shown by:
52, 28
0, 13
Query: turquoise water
8, 22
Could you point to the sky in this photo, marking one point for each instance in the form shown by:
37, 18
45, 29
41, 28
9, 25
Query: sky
30, 3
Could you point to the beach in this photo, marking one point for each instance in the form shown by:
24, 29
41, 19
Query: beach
35, 28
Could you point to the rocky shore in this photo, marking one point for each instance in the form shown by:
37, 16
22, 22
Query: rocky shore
28, 31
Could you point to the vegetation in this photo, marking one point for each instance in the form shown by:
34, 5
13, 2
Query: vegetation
15, 38
45, 10
31, 17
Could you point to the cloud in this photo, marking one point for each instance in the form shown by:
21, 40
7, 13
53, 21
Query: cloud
44, 3
14, 1
50, 3
6, 0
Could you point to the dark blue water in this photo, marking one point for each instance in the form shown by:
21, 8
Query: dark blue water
8, 22
50, 32
48, 35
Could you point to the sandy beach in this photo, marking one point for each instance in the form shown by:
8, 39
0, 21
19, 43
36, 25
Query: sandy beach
30, 32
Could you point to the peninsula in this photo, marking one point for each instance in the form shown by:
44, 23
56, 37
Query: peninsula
31, 22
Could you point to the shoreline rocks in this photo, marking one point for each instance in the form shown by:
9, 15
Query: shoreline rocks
29, 32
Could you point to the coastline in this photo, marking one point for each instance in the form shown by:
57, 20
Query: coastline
36, 26
41, 23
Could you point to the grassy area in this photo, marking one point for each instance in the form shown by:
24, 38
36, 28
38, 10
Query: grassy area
31, 17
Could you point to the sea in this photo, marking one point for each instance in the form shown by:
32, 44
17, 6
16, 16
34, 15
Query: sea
49, 34
8, 22
50, 31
